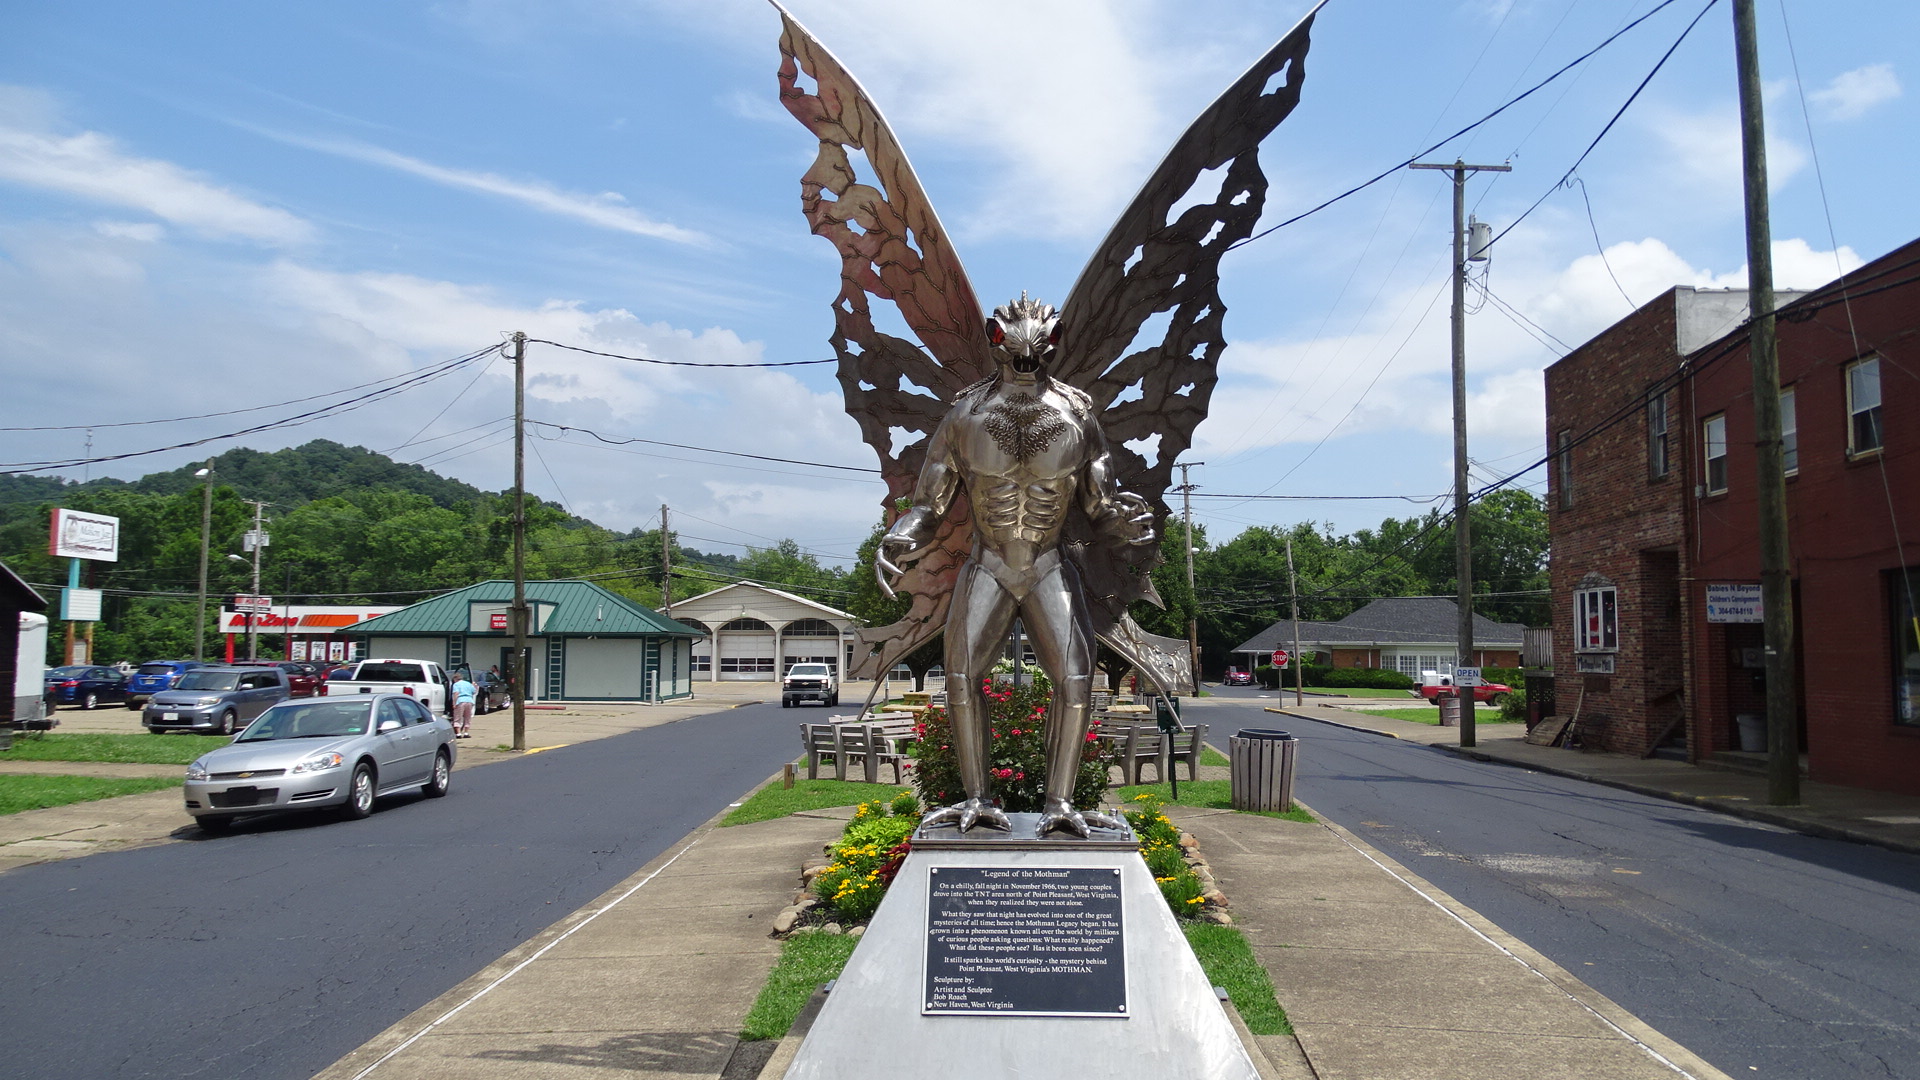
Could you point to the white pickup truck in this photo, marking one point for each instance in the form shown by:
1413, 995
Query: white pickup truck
422, 679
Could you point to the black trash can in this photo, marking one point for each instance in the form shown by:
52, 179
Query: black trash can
1262, 762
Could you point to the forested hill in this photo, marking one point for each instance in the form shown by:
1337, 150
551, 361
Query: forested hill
290, 477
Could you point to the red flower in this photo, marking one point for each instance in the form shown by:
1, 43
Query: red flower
1019, 776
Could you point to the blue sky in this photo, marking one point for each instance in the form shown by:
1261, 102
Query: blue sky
225, 205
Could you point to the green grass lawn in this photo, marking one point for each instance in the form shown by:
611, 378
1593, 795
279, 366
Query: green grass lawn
808, 959
1355, 692
1431, 715
1230, 964
142, 749
1203, 794
19, 793
774, 801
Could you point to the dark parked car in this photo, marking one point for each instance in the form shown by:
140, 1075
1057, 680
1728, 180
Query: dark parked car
493, 693
301, 679
216, 700
155, 676
86, 685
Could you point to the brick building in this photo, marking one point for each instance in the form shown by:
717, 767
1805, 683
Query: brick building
1655, 567
1408, 634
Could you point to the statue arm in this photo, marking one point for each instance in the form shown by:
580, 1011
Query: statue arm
933, 496
1114, 512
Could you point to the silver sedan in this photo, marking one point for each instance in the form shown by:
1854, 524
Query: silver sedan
314, 753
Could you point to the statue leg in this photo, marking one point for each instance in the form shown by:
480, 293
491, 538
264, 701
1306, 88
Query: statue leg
978, 618
1057, 622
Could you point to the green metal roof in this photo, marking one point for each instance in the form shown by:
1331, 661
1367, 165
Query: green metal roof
579, 607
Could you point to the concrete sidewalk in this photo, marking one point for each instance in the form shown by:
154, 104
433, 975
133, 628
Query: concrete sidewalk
654, 977
1845, 813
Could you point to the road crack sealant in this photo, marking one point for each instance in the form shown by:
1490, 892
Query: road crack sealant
522, 965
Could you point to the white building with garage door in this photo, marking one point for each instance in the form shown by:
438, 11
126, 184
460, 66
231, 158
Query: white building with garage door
755, 633
587, 644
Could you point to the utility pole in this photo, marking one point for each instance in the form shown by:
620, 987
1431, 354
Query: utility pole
521, 668
666, 565
1193, 611
1293, 586
1776, 595
1462, 540
257, 539
206, 536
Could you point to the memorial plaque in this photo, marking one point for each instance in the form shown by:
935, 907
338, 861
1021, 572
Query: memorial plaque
1024, 941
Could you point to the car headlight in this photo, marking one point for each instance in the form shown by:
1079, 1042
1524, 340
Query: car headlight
319, 763
209, 701
197, 771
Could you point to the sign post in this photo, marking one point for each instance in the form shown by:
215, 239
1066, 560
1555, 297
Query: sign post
74, 536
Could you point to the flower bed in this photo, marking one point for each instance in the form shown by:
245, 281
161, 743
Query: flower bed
1017, 754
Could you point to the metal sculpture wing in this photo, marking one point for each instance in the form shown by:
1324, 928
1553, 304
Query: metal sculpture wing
1153, 261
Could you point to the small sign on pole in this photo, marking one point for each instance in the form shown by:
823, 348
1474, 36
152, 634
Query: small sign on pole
259, 605
1466, 676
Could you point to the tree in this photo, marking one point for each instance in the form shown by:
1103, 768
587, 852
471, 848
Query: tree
873, 607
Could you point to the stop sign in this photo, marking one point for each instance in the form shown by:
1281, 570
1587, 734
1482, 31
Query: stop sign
1279, 658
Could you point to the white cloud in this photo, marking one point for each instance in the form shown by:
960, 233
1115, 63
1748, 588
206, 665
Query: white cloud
607, 210
145, 232
1703, 155
1852, 93
93, 167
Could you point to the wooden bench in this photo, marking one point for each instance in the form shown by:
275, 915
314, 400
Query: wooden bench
1137, 745
866, 743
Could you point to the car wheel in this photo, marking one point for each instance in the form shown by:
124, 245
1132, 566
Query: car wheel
436, 787
225, 726
90, 700
214, 823
360, 791
133, 706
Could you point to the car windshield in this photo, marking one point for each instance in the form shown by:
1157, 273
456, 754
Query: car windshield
310, 720
208, 680
807, 669
66, 672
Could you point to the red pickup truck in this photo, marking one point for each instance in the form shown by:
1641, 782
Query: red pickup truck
1487, 693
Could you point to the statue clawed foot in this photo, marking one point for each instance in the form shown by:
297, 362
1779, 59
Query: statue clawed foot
1058, 816
968, 814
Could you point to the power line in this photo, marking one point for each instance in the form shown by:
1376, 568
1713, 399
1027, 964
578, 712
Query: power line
628, 440
678, 363
1397, 166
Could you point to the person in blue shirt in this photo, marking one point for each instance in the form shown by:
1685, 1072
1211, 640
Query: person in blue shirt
464, 693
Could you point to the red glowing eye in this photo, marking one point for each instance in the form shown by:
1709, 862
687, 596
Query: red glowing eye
995, 335
1053, 335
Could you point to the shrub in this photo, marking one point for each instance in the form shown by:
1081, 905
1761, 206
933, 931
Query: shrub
1160, 847
1376, 678
1267, 676
1511, 676
904, 805
1515, 707
1017, 756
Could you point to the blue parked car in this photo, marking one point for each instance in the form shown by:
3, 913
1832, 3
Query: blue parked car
86, 685
155, 676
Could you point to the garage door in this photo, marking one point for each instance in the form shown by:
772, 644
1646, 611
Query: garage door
746, 656
605, 668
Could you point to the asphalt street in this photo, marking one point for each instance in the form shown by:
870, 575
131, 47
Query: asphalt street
272, 952
1767, 952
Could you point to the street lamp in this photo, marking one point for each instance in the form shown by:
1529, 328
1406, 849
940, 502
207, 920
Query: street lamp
206, 528
253, 616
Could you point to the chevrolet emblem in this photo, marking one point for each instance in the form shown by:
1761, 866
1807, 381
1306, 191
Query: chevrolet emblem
244, 775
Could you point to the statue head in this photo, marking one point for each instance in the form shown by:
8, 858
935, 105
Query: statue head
1023, 333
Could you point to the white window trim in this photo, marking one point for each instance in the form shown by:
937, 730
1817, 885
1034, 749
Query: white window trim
1854, 449
1789, 431
1708, 457
1596, 619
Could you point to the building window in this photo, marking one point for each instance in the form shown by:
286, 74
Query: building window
1863, 406
1596, 619
1714, 439
702, 662
1789, 433
810, 628
1563, 458
1658, 461
1905, 587
746, 665
747, 624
